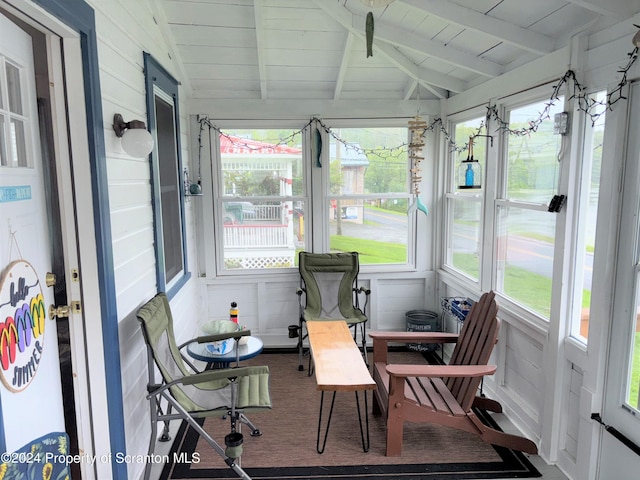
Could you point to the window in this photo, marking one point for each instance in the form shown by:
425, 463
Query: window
262, 201
464, 206
166, 168
589, 194
368, 194
264, 205
525, 229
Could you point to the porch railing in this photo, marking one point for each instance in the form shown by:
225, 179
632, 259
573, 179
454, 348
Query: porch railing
257, 236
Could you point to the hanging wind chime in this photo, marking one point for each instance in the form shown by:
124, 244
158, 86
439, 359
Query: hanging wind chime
417, 128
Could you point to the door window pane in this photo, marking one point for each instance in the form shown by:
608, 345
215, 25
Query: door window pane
525, 256
592, 163
263, 204
18, 143
2, 87
4, 156
14, 89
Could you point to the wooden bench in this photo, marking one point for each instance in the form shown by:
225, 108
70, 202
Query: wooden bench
339, 367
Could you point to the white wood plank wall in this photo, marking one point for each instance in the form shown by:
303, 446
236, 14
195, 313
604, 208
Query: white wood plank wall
125, 30
268, 305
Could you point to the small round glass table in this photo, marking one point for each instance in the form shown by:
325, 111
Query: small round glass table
250, 349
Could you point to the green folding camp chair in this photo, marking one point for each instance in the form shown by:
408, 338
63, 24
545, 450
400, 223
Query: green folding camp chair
329, 291
193, 394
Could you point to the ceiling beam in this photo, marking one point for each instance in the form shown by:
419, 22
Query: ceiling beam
411, 87
426, 78
435, 82
450, 55
614, 8
344, 64
467, 18
411, 41
258, 13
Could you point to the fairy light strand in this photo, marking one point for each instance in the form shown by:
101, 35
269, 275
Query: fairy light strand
586, 103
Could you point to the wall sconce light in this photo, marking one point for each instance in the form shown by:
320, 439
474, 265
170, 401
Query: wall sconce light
136, 140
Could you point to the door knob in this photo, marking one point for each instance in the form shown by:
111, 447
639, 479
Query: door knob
58, 312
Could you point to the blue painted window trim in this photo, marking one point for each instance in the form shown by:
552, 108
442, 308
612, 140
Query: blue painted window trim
80, 16
155, 74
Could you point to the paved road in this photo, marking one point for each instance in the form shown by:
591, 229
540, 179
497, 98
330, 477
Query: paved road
382, 226
533, 255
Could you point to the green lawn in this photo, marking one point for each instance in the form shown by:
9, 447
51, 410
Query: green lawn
531, 289
635, 375
371, 251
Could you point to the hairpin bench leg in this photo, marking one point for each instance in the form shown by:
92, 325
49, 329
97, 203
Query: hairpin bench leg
365, 446
326, 433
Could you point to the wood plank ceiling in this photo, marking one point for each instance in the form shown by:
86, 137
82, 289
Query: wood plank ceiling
316, 49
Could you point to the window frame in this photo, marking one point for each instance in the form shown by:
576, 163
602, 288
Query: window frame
322, 195
501, 200
451, 194
220, 198
157, 79
495, 177
316, 195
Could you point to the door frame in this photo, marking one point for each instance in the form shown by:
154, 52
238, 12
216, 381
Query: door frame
99, 401
624, 304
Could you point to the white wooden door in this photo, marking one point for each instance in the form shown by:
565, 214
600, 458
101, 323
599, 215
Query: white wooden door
622, 390
30, 388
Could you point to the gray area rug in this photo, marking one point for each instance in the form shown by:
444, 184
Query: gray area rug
287, 448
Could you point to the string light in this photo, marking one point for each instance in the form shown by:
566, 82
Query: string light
381, 152
585, 103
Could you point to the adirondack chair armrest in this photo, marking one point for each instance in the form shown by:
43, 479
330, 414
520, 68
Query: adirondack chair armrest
413, 337
397, 370
381, 340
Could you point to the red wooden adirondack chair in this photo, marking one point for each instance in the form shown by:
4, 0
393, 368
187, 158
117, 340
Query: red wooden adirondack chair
442, 394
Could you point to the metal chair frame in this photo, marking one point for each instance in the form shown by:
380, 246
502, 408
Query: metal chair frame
349, 264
